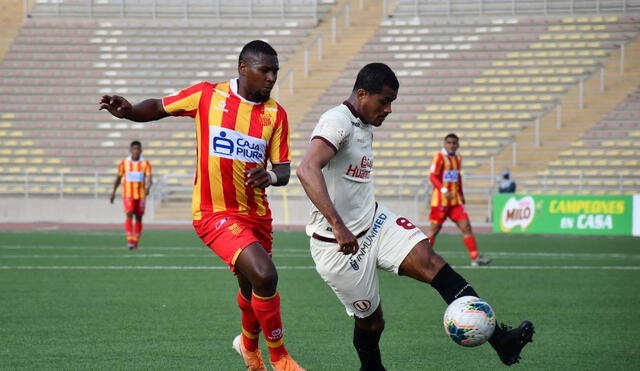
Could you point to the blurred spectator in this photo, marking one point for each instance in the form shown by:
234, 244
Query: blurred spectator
506, 185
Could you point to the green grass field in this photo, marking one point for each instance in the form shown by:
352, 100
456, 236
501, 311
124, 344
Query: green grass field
79, 300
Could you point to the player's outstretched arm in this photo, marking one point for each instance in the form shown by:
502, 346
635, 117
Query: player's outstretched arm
147, 110
310, 174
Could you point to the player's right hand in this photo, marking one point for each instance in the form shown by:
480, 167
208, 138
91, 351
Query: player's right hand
347, 242
116, 105
448, 196
113, 196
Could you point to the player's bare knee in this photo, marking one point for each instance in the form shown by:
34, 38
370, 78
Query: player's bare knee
265, 279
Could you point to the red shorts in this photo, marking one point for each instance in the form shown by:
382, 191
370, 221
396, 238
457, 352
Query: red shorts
228, 234
133, 206
440, 213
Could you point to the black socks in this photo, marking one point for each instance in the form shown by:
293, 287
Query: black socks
451, 285
366, 344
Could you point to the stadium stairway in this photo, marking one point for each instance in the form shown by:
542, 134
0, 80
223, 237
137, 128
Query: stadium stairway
11, 18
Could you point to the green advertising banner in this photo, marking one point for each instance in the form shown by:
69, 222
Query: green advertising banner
595, 215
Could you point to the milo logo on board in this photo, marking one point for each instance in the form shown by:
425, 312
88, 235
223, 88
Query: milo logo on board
517, 213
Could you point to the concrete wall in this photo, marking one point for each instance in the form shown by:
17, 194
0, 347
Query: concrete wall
56, 210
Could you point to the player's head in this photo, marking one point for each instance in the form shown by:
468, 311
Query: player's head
451, 144
375, 88
136, 150
258, 69
505, 174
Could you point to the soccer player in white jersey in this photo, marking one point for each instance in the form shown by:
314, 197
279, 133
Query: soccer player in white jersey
352, 235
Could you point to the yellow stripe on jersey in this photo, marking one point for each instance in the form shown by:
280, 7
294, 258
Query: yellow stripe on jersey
218, 99
195, 200
243, 121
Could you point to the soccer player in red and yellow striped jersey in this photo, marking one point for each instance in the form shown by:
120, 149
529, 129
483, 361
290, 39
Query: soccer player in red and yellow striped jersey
135, 174
447, 199
239, 129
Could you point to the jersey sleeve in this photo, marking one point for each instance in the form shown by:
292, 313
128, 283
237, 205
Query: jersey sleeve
121, 169
185, 102
147, 170
333, 130
435, 172
279, 143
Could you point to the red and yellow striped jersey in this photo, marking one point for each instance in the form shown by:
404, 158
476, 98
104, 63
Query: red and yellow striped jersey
232, 135
134, 174
445, 172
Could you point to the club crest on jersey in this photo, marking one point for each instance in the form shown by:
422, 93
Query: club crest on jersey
227, 143
265, 119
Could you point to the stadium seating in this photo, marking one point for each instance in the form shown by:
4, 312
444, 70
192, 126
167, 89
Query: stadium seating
54, 74
483, 78
605, 160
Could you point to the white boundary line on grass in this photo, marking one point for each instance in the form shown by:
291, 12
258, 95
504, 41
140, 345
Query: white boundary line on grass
207, 254
278, 253
302, 267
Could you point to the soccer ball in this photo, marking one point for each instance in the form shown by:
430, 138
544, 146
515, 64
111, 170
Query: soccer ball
469, 321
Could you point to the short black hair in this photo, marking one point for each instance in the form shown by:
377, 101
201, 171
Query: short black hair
256, 47
451, 135
374, 77
135, 143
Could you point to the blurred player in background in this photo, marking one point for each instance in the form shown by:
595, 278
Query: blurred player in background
136, 172
447, 200
352, 235
239, 128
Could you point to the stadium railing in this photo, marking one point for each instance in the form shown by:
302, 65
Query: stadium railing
447, 8
180, 9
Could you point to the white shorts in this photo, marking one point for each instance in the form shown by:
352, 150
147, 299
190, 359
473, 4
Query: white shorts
354, 278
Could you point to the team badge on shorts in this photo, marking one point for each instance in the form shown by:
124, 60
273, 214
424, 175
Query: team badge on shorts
235, 229
362, 305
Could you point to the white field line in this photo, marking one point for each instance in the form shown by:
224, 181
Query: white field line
278, 252
300, 267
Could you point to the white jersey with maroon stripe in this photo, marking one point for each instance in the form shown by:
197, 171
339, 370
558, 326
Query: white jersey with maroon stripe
348, 173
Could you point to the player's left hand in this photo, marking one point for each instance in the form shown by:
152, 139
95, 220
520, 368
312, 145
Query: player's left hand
257, 177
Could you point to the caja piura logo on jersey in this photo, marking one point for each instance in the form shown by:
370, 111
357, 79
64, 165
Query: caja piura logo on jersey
227, 143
